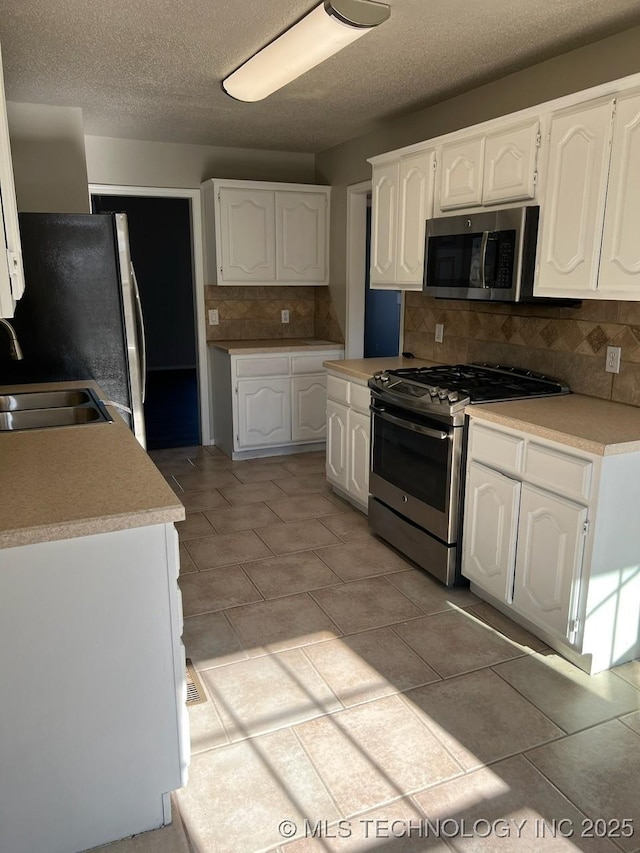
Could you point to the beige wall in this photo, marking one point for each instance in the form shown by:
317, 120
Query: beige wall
613, 57
49, 165
132, 162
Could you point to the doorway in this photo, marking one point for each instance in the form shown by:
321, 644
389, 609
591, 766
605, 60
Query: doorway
381, 310
160, 240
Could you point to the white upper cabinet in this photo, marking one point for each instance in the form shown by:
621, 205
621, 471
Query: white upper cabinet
384, 223
461, 173
11, 273
510, 164
247, 235
264, 233
402, 202
496, 168
620, 260
415, 201
573, 209
301, 237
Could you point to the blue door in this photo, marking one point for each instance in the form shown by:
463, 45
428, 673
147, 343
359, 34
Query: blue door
381, 314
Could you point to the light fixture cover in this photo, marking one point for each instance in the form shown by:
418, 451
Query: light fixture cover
324, 31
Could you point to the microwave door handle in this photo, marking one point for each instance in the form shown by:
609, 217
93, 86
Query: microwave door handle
483, 257
432, 433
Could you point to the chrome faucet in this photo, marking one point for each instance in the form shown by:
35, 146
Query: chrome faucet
14, 347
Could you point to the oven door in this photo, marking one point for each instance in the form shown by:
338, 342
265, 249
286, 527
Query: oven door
415, 468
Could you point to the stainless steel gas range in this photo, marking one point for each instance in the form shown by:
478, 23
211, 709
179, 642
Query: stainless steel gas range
418, 437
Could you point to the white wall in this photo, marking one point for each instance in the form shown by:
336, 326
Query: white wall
132, 162
49, 164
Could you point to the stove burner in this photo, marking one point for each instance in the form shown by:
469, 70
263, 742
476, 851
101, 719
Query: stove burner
449, 388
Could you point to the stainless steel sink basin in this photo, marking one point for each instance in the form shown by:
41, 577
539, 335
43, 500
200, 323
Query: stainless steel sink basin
43, 400
39, 418
42, 409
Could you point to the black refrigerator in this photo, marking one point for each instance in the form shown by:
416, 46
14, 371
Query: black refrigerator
80, 316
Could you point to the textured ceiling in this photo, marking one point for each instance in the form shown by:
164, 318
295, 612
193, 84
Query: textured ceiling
151, 69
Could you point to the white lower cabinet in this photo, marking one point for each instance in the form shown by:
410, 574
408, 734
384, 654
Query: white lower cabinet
264, 412
550, 538
265, 402
492, 518
337, 443
549, 560
359, 444
348, 438
308, 408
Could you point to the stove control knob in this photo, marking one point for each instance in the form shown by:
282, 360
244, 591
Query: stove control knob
377, 376
442, 393
433, 390
384, 378
453, 397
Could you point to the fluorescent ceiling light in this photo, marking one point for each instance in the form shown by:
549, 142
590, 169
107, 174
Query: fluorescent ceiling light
324, 31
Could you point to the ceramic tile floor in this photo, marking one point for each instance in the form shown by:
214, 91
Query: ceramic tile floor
349, 690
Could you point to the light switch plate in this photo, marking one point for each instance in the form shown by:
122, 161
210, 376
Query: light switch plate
285, 316
213, 317
439, 332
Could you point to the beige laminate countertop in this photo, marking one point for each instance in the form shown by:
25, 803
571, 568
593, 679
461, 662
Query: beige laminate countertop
586, 423
279, 345
64, 482
364, 368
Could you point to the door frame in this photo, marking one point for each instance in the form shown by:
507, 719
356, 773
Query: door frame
356, 272
197, 260
356, 268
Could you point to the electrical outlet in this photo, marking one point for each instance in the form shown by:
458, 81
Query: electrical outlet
285, 315
613, 360
439, 332
213, 317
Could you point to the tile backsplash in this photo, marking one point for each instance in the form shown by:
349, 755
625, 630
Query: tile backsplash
248, 313
570, 343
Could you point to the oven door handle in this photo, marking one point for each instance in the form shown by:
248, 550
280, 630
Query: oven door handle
432, 433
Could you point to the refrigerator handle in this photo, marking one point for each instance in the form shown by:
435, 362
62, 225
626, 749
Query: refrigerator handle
142, 336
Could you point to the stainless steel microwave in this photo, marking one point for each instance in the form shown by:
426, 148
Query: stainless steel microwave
489, 255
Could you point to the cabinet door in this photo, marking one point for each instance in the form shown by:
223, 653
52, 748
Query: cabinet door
461, 174
510, 164
309, 408
358, 456
489, 536
301, 236
620, 261
573, 210
11, 272
384, 224
337, 443
264, 412
549, 560
415, 203
247, 235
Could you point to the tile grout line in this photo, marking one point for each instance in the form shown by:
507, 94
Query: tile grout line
526, 698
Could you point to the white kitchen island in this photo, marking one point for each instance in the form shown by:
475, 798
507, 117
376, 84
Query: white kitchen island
93, 726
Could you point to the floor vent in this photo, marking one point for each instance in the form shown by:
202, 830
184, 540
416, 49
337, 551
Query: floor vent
195, 692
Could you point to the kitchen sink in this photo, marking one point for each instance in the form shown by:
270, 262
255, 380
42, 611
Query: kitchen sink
43, 400
42, 409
